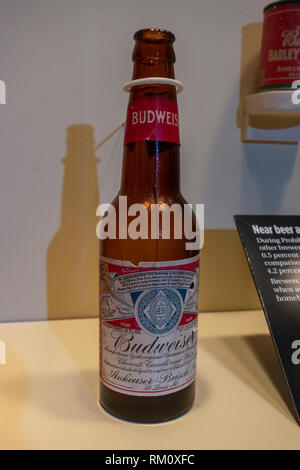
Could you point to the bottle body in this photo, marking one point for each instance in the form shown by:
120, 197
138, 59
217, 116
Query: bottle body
148, 285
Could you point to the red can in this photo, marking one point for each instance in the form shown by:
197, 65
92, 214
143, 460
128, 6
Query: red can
280, 52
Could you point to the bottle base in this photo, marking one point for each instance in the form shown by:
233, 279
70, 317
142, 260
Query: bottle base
137, 409
283, 87
135, 421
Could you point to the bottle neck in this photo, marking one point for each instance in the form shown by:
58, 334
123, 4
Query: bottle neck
151, 167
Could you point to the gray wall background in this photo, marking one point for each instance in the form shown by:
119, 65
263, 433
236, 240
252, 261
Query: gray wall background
64, 62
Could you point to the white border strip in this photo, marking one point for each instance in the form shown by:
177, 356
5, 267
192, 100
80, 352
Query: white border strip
153, 80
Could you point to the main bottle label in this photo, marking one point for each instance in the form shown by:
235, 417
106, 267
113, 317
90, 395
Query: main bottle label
152, 119
148, 325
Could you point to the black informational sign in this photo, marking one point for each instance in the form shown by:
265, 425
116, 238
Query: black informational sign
272, 247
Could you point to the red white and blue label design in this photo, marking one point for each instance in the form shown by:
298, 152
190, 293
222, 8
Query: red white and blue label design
148, 325
152, 119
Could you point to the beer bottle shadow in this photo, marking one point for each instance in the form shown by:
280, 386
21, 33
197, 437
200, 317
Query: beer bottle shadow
72, 255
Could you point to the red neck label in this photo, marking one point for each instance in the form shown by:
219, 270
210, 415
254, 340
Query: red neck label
152, 119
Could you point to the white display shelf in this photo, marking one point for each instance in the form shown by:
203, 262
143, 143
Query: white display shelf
271, 116
49, 391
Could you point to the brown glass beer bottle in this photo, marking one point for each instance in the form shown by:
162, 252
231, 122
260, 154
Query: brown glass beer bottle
149, 282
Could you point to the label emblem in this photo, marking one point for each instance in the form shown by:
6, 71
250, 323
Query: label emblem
159, 311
